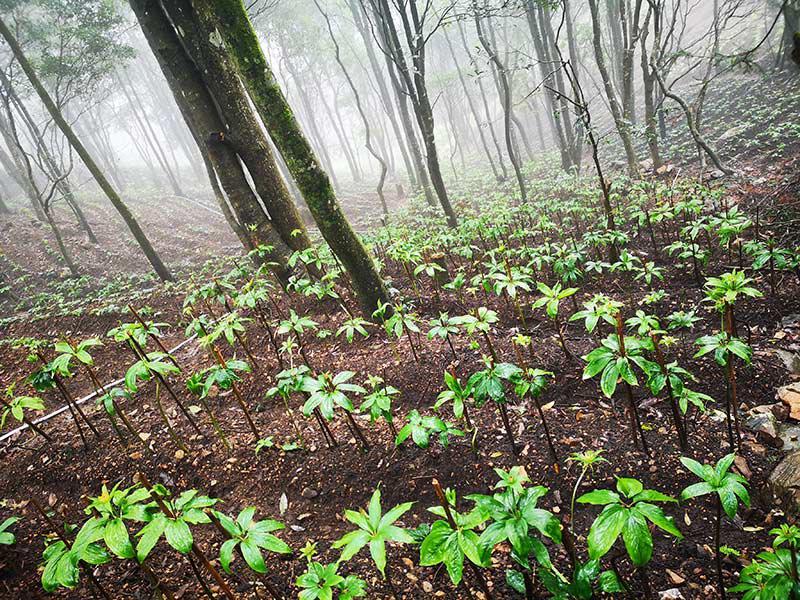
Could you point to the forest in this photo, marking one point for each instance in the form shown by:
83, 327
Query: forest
399, 299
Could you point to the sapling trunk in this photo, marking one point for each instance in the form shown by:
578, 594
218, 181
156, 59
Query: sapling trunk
490, 346
673, 403
550, 444
561, 339
75, 408
270, 334
175, 438
199, 576
163, 380
153, 336
195, 548
475, 569
59, 531
276, 595
326, 432
99, 388
237, 394
31, 425
636, 426
501, 406
733, 398
718, 554
411, 341
529, 591
357, 431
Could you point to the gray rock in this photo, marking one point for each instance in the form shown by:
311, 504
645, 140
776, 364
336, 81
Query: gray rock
670, 594
309, 493
790, 436
790, 359
761, 420
785, 477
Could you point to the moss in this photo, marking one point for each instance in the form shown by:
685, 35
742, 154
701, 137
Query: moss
230, 18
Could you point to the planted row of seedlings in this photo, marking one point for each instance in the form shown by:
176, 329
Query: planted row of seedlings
508, 259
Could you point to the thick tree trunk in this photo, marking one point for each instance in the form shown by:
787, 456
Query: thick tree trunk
229, 18
200, 113
133, 225
243, 133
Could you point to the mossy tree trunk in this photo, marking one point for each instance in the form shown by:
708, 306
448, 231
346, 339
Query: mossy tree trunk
243, 132
133, 225
229, 19
200, 113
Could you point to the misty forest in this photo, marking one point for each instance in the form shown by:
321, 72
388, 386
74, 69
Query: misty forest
399, 299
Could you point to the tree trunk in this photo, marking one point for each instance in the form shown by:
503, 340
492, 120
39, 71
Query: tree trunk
472, 109
383, 91
243, 133
367, 133
229, 18
133, 225
506, 98
623, 128
200, 113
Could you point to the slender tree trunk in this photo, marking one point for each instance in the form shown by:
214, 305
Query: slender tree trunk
230, 19
358, 17
485, 102
506, 98
116, 201
623, 128
365, 121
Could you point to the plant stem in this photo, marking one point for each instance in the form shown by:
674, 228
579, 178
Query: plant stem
195, 548
475, 569
717, 528
501, 406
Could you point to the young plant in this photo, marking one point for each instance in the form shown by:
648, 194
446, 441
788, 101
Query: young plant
531, 383
515, 518
422, 428
728, 488
63, 560
453, 537
374, 529
7, 538
250, 538
379, 402
320, 581
588, 460
296, 326
326, 392
480, 322
489, 384
550, 300
458, 395
627, 512
724, 347
16, 406
615, 360
445, 327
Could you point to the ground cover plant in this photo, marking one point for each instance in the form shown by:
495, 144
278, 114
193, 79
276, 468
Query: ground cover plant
546, 369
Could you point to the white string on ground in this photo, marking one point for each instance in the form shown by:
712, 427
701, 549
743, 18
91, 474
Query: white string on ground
86, 398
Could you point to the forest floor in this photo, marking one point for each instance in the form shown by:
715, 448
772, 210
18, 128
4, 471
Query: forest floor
320, 483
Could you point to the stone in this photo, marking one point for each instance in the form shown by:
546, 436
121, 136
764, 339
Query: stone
785, 477
790, 396
790, 359
670, 594
427, 587
762, 421
309, 493
716, 174
790, 436
675, 577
